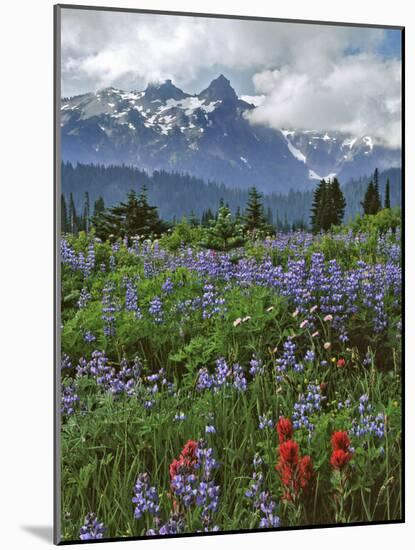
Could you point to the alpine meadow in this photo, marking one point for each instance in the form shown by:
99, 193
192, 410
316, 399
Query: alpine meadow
230, 254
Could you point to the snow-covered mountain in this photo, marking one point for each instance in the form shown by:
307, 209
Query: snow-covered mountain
208, 135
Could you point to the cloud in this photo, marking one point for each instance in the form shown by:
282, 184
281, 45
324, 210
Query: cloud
297, 75
359, 94
130, 49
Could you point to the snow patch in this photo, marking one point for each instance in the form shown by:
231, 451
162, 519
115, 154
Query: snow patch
368, 141
314, 176
296, 153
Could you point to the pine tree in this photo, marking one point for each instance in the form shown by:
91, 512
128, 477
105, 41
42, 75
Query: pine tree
86, 213
387, 194
316, 206
130, 218
254, 213
328, 206
73, 218
338, 202
371, 202
64, 215
99, 206
223, 233
376, 204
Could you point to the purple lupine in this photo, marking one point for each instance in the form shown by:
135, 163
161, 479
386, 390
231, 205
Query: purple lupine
167, 287
84, 298
156, 309
69, 398
89, 263
145, 498
108, 309
262, 501
256, 367
307, 405
92, 528
212, 304
368, 423
265, 422
131, 299
288, 360
66, 362
89, 337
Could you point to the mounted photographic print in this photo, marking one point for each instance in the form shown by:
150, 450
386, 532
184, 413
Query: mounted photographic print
228, 274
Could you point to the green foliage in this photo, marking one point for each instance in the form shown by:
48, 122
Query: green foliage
128, 219
110, 439
223, 233
182, 234
328, 206
387, 195
254, 217
372, 202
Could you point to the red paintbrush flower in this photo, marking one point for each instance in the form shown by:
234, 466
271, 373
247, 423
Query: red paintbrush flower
187, 459
289, 451
339, 458
340, 440
284, 429
306, 472
295, 472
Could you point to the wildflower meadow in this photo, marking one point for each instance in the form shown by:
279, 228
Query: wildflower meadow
257, 386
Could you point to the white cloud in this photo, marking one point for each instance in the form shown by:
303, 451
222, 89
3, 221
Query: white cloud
130, 49
359, 94
310, 76
254, 99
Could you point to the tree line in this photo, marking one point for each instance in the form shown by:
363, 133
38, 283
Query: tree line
136, 216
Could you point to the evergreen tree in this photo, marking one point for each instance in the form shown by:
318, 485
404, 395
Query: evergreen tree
99, 206
254, 213
319, 196
387, 194
371, 202
338, 202
376, 200
73, 218
64, 215
223, 233
328, 206
86, 213
131, 218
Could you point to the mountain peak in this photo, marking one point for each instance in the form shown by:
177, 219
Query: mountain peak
164, 91
219, 89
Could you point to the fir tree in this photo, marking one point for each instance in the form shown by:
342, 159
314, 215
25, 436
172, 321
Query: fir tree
328, 206
99, 206
338, 202
371, 202
254, 213
223, 233
316, 207
130, 218
376, 200
86, 213
387, 194
73, 218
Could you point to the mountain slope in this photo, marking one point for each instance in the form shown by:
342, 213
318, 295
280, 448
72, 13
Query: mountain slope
207, 135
